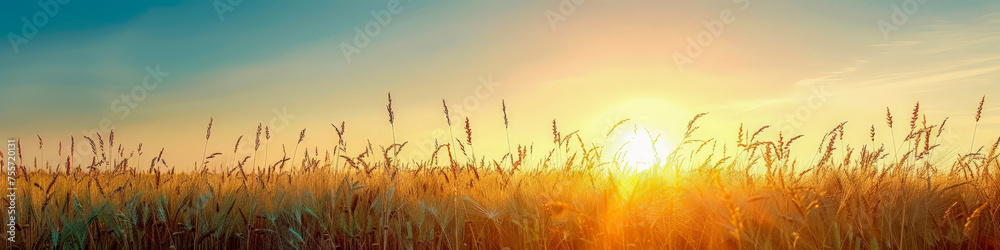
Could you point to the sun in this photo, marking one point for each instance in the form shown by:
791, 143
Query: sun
630, 145
641, 149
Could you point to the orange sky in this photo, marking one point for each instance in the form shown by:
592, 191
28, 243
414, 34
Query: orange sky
801, 67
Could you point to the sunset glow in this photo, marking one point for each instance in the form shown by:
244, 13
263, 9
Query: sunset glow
516, 124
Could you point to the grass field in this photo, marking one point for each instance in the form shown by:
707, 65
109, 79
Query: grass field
752, 195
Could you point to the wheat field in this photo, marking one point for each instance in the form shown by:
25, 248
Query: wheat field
753, 194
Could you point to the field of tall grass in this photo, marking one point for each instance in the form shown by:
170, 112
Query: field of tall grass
752, 194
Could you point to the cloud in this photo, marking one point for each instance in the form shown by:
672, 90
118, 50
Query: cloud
949, 56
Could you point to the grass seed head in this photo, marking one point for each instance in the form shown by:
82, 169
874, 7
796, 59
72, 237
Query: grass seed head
256, 143
302, 135
873, 133
446, 116
941, 129
979, 111
389, 107
888, 116
555, 132
504, 104
468, 131
208, 132
237, 147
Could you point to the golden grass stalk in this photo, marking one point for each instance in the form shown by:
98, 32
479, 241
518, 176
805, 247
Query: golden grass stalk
385, 204
448, 119
236, 148
267, 144
392, 118
555, 133
969, 222
888, 118
468, 139
873, 134
979, 114
506, 126
72, 152
340, 147
208, 134
42, 152
256, 146
302, 136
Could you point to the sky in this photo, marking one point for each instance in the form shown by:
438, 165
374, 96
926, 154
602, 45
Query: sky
157, 71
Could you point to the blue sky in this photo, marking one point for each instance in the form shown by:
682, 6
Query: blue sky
605, 60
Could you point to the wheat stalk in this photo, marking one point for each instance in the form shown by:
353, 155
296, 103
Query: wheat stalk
256, 146
235, 149
967, 228
40, 151
208, 134
979, 114
267, 144
888, 118
72, 152
385, 204
556, 141
340, 144
454, 170
111, 142
391, 117
506, 125
468, 139
448, 119
302, 136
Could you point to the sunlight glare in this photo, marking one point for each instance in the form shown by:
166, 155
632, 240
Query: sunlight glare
638, 151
